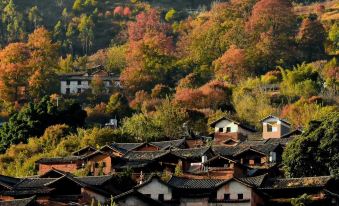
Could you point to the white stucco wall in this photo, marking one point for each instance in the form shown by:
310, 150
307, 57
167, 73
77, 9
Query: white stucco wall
155, 188
224, 124
194, 202
132, 201
234, 188
74, 86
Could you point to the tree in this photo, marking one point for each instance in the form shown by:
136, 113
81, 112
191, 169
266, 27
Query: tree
86, 33
232, 65
170, 15
333, 36
150, 57
13, 21
14, 71
170, 118
33, 119
302, 81
118, 106
271, 27
315, 152
34, 16
311, 38
303, 200
98, 86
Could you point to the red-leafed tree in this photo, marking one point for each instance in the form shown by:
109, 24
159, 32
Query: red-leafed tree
150, 56
14, 71
231, 65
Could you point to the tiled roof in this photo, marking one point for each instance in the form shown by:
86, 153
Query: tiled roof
271, 116
145, 155
286, 183
171, 143
133, 164
256, 181
34, 182
136, 194
186, 183
126, 146
191, 153
95, 180
19, 202
84, 151
51, 160
239, 149
8, 181
28, 191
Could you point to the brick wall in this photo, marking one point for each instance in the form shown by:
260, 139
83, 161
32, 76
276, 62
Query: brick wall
66, 167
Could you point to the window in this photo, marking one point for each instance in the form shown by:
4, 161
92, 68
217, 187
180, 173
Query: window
68, 82
161, 197
228, 129
96, 165
257, 160
226, 196
103, 164
221, 129
68, 90
240, 196
269, 128
79, 91
79, 82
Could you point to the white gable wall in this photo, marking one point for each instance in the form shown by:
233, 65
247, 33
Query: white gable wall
155, 188
234, 188
224, 124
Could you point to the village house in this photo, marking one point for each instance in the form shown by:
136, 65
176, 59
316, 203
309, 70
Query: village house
274, 127
67, 164
230, 132
63, 188
79, 82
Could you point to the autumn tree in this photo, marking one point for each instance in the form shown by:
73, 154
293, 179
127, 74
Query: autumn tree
311, 38
14, 71
333, 36
150, 56
232, 65
271, 27
118, 106
44, 63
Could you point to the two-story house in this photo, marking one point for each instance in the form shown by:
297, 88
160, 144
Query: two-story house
230, 132
79, 82
274, 127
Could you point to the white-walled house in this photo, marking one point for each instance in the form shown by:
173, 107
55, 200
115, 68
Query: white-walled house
155, 188
274, 127
238, 192
226, 129
79, 82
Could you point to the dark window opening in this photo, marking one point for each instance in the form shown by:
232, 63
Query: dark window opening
221, 129
79, 91
96, 165
227, 196
79, 82
161, 197
228, 129
68, 90
240, 196
257, 160
68, 82
269, 128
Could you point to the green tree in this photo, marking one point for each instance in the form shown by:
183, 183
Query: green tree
118, 106
316, 151
34, 17
86, 34
333, 36
12, 19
